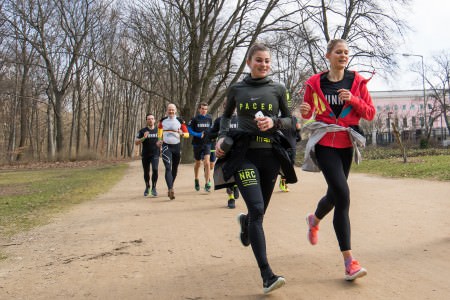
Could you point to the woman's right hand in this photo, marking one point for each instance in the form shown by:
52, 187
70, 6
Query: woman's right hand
305, 108
219, 151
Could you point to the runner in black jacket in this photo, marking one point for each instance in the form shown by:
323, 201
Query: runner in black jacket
257, 174
198, 127
148, 137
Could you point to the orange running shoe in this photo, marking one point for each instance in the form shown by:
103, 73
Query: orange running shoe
354, 270
313, 231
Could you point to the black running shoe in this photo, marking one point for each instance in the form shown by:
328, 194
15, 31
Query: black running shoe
154, 192
146, 192
197, 185
231, 203
235, 192
243, 234
229, 191
273, 283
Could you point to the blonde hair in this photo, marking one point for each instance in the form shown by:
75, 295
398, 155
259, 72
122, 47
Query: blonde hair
333, 43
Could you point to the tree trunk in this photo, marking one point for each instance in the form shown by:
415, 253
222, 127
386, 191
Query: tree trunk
50, 133
400, 142
74, 119
12, 132
24, 111
79, 113
59, 125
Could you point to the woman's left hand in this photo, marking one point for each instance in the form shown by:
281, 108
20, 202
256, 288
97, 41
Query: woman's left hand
264, 123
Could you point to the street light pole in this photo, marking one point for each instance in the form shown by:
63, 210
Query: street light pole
424, 91
445, 107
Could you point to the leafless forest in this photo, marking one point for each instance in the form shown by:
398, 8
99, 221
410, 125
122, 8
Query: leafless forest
78, 77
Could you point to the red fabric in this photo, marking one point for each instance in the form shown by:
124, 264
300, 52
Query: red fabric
359, 106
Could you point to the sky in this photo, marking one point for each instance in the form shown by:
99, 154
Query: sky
430, 21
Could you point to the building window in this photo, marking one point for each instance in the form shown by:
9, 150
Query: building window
405, 122
379, 108
413, 121
395, 107
421, 106
422, 123
404, 107
412, 107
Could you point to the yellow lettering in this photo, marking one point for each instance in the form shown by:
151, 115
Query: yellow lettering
270, 107
240, 106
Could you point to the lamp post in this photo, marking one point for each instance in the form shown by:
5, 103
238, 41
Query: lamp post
424, 92
445, 107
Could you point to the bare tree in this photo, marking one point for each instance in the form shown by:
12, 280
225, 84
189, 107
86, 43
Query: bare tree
436, 80
441, 89
60, 28
372, 29
202, 45
91, 70
291, 64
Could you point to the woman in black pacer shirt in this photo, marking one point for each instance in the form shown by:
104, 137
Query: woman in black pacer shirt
257, 174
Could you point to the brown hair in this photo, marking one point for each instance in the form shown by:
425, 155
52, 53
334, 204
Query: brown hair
333, 43
202, 104
255, 48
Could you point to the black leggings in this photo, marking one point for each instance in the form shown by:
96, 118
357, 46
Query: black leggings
256, 180
335, 164
154, 161
171, 158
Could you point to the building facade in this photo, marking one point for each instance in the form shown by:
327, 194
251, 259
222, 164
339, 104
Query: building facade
406, 110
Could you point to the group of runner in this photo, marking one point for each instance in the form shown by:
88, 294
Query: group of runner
260, 146
164, 139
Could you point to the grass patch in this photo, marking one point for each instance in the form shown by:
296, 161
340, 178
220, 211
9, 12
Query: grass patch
30, 198
431, 164
422, 167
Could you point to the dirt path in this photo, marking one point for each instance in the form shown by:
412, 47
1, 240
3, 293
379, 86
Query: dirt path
125, 246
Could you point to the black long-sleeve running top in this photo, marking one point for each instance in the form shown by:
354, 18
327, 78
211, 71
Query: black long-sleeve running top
252, 95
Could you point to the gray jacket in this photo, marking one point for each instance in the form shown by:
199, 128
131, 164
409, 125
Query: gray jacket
317, 130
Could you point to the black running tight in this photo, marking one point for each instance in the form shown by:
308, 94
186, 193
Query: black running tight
335, 164
146, 162
256, 180
171, 158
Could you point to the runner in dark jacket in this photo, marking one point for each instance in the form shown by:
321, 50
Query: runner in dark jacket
198, 126
148, 137
256, 95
